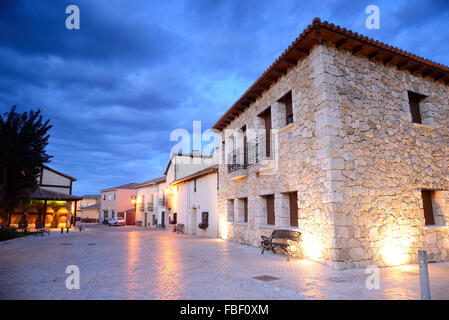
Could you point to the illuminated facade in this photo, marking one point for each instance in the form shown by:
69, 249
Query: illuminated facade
52, 205
346, 140
118, 202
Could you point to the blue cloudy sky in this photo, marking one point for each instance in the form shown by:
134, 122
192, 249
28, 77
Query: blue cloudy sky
136, 70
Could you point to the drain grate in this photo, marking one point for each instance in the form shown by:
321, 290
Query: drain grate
266, 278
338, 279
66, 244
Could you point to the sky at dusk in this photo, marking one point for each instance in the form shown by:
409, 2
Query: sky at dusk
136, 70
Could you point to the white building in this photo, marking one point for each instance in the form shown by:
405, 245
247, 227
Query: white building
151, 203
194, 201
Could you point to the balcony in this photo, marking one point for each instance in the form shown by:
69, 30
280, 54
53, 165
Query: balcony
142, 207
254, 153
150, 206
163, 202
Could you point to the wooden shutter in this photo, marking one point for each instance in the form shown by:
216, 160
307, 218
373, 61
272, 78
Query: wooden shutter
414, 100
270, 209
245, 209
293, 199
428, 209
267, 132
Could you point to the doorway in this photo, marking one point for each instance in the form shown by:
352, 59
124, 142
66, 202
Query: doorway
163, 219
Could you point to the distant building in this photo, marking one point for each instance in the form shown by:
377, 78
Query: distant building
88, 208
119, 201
151, 203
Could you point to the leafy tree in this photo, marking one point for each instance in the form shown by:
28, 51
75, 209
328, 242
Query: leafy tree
23, 142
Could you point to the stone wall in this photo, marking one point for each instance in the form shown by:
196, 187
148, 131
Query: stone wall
386, 161
356, 160
298, 168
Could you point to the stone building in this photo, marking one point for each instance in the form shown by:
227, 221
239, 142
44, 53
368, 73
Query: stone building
345, 139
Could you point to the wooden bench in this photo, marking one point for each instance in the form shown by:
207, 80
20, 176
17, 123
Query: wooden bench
179, 228
290, 237
40, 229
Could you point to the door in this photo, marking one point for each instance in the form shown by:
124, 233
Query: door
194, 221
130, 218
163, 219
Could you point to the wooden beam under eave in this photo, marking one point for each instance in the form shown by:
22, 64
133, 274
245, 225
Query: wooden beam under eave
388, 60
373, 55
290, 62
427, 72
357, 49
302, 51
318, 35
341, 43
438, 76
402, 65
415, 70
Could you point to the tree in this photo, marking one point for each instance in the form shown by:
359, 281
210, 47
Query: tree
23, 142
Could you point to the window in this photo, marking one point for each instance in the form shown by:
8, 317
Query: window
427, 197
114, 196
245, 209
266, 116
109, 197
175, 218
270, 209
194, 185
230, 209
245, 147
104, 197
293, 206
105, 213
287, 101
415, 100
205, 218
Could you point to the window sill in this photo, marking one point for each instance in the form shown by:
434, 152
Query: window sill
286, 127
436, 227
267, 226
242, 223
289, 228
424, 126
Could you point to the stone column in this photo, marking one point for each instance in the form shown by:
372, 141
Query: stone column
278, 115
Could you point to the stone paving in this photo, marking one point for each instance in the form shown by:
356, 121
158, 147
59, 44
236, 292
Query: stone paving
138, 263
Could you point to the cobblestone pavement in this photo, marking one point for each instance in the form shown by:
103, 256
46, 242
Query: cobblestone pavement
137, 263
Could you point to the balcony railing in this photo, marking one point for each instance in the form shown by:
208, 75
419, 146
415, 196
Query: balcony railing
142, 207
162, 202
150, 206
256, 151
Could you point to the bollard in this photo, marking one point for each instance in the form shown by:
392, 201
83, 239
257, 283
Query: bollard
424, 275
62, 230
67, 229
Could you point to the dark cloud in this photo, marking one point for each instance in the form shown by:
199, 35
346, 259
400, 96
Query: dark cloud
136, 70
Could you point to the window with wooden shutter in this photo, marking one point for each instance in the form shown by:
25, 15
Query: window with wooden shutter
427, 196
288, 103
293, 205
414, 100
270, 209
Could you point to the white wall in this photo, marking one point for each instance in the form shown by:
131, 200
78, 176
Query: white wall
203, 200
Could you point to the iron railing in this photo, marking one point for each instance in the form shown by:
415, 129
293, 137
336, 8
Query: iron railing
150, 206
255, 152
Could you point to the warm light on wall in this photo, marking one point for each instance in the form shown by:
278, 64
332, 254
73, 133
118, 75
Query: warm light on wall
395, 247
224, 229
312, 246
